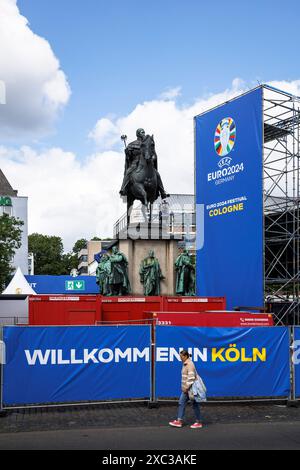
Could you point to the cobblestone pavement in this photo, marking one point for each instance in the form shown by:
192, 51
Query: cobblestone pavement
140, 415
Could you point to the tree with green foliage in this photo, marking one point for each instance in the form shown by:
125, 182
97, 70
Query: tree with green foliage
70, 261
10, 242
48, 254
49, 257
79, 245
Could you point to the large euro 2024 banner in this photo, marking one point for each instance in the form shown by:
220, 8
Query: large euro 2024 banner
229, 190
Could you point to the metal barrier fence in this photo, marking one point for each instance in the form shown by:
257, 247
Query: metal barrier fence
7, 321
149, 364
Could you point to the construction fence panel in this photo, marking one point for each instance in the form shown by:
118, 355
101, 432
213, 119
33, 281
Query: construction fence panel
296, 360
75, 364
233, 362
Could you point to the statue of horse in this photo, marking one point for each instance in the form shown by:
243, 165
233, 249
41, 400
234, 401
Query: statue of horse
143, 180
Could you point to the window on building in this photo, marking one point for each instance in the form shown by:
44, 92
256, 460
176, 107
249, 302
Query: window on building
6, 210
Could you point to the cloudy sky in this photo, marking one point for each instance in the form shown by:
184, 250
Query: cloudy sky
78, 74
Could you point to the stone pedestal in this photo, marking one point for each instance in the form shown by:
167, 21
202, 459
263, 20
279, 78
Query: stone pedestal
165, 250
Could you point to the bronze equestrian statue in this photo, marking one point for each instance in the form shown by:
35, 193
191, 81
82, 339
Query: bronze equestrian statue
141, 179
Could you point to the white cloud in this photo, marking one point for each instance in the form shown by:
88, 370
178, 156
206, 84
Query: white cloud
75, 199
36, 87
105, 133
292, 87
171, 93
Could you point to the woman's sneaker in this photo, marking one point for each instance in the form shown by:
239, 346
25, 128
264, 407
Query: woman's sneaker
176, 423
196, 426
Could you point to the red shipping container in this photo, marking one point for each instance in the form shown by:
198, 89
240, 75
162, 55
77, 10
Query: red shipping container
213, 319
134, 309
193, 304
64, 309
131, 309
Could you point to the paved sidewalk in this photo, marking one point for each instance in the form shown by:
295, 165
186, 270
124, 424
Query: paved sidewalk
139, 415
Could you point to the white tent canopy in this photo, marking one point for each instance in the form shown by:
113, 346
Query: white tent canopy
18, 285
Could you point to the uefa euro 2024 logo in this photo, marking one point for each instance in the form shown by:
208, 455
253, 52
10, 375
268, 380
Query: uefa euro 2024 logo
224, 141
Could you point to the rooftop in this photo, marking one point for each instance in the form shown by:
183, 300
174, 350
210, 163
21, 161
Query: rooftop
5, 187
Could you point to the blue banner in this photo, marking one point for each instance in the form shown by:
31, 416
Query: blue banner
229, 188
296, 361
71, 364
63, 284
233, 362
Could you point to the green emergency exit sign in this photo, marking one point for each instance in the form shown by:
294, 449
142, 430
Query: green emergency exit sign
75, 285
5, 201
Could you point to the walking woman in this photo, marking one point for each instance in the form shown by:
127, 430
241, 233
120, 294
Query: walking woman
188, 377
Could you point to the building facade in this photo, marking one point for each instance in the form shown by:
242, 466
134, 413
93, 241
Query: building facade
86, 257
15, 206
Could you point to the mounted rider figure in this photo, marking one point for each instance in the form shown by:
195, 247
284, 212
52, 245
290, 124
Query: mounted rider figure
133, 152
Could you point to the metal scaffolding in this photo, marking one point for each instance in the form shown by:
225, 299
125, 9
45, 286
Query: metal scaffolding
281, 152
